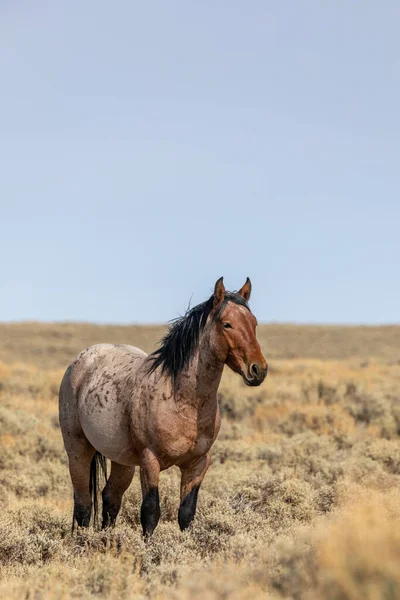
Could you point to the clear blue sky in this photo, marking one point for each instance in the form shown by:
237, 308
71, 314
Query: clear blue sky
147, 148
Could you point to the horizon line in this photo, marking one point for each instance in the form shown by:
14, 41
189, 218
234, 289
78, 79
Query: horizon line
166, 323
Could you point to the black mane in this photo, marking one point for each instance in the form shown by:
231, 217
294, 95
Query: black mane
182, 338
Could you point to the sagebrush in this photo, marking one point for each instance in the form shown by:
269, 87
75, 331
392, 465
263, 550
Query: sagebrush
302, 499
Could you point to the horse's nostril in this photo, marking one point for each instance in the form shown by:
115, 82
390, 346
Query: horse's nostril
254, 370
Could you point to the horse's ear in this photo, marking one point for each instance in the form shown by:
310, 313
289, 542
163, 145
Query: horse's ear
219, 292
245, 290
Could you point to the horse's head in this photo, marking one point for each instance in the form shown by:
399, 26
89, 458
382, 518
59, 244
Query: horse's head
235, 333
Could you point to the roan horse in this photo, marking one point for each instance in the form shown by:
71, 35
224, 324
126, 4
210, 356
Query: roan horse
155, 410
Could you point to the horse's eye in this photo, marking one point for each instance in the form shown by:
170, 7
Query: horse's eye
227, 325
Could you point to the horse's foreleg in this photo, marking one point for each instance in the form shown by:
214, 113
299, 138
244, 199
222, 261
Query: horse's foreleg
117, 484
192, 477
149, 475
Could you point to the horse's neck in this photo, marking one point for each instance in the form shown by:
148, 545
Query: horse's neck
198, 383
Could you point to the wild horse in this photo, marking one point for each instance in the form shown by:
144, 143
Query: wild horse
156, 410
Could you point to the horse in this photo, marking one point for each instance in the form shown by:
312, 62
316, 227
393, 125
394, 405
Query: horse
155, 411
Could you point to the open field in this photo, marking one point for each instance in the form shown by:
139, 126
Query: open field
302, 499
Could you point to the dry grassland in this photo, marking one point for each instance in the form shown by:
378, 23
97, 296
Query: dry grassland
302, 499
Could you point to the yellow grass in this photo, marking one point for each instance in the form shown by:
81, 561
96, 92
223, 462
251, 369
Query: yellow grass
302, 499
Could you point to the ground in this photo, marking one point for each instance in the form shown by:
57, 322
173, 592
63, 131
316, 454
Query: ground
302, 499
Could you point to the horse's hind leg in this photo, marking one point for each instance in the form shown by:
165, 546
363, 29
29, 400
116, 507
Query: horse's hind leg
117, 484
79, 449
80, 459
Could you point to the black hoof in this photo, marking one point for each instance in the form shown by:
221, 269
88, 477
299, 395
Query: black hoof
150, 512
187, 509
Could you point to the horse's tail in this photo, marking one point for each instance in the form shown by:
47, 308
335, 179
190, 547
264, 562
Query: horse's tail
98, 462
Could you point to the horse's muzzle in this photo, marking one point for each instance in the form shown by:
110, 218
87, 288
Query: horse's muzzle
255, 375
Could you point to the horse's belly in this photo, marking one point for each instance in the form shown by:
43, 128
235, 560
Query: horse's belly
108, 431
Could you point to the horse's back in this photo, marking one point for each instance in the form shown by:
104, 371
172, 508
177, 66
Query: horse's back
108, 357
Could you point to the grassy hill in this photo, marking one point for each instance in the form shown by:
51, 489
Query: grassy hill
302, 499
